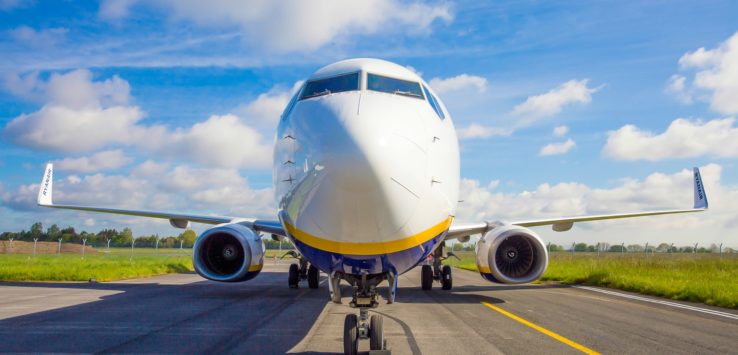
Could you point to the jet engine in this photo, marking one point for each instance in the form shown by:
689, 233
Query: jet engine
511, 254
228, 253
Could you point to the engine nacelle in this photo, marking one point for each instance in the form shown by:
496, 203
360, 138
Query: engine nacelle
228, 253
512, 255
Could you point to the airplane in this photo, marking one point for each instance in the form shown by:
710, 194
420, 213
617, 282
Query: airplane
366, 178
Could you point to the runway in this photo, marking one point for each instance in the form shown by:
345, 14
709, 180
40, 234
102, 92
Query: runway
184, 314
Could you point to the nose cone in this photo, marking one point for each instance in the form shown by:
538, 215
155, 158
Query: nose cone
364, 171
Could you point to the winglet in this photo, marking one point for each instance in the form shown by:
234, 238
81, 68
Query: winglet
44, 191
700, 196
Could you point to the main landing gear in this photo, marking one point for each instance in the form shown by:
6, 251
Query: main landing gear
302, 271
365, 296
437, 272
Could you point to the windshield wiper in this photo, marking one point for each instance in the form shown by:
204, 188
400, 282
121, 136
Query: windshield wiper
324, 92
408, 93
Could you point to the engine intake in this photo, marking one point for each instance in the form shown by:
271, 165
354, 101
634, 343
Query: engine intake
228, 253
511, 254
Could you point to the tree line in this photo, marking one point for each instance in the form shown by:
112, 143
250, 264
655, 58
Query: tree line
103, 238
115, 238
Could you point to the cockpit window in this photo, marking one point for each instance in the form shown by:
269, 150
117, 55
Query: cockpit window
434, 103
332, 85
393, 86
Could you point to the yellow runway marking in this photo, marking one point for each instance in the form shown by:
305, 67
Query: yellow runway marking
560, 338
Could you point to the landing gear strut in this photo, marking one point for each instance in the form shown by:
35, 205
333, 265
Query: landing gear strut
437, 272
360, 327
302, 271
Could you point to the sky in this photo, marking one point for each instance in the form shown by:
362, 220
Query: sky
563, 108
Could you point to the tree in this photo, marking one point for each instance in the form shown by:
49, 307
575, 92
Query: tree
53, 233
580, 247
37, 230
188, 237
124, 238
616, 249
663, 248
635, 248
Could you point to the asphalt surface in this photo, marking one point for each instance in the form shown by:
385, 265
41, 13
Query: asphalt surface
185, 314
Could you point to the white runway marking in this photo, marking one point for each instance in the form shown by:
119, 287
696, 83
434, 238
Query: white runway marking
665, 303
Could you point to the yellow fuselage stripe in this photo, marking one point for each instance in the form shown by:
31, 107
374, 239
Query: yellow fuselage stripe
374, 248
560, 338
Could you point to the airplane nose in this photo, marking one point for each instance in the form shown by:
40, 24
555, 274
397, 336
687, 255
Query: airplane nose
365, 176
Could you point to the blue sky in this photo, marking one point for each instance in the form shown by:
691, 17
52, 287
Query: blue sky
155, 89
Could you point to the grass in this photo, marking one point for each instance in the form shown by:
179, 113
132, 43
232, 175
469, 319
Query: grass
102, 267
105, 265
705, 278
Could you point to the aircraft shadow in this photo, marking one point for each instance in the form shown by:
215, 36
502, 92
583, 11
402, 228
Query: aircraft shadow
201, 317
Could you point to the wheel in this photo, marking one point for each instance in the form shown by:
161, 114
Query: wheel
313, 277
426, 277
446, 279
350, 335
376, 333
293, 277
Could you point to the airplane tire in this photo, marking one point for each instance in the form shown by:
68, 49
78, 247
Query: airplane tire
350, 335
446, 278
426, 277
293, 277
376, 333
313, 277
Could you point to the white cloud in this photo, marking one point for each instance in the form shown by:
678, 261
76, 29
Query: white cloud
44, 38
682, 139
178, 189
113, 10
657, 191
267, 108
716, 74
458, 83
105, 160
677, 87
557, 148
299, 26
222, 141
560, 131
551, 103
7, 5
475, 130
83, 115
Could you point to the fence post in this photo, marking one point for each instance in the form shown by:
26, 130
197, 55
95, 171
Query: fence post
694, 251
59, 247
34, 246
622, 248
84, 246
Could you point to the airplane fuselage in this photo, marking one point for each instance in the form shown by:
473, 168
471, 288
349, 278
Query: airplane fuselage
366, 174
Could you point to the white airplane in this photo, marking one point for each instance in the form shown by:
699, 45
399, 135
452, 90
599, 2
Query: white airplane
366, 177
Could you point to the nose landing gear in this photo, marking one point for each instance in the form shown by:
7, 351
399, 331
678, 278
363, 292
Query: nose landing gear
363, 326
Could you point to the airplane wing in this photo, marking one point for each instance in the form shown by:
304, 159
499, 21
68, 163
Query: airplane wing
178, 220
564, 224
